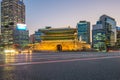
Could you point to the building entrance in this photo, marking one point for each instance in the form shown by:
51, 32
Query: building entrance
59, 48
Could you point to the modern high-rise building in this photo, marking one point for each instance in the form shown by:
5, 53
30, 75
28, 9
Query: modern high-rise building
21, 36
104, 33
118, 37
83, 31
109, 24
99, 37
12, 13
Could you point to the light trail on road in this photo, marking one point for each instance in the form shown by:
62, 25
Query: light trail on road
58, 61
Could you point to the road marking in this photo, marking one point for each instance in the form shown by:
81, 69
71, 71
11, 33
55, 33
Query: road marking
56, 61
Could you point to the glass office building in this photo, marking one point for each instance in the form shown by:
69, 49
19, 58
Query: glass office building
37, 36
83, 31
118, 37
104, 33
12, 12
21, 36
99, 37
109, 25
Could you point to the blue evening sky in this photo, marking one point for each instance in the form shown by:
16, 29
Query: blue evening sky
63, 13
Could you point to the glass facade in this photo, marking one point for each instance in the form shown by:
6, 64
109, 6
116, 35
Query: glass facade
110, 26
37, 36
118, 37
83, 30
104, 33
99, 39
12, 12
21, 38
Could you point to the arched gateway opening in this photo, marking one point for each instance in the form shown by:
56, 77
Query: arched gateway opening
59, 47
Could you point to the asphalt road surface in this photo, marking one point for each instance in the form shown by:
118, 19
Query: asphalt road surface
60, 66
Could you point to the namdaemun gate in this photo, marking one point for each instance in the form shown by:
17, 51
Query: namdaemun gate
60, 39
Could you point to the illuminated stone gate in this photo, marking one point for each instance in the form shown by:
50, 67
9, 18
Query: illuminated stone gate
62, 39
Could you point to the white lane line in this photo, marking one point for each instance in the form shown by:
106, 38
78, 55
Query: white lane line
56, 61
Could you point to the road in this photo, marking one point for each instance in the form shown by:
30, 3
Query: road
60, 66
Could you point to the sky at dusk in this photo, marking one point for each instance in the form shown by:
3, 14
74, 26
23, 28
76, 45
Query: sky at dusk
63, 13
